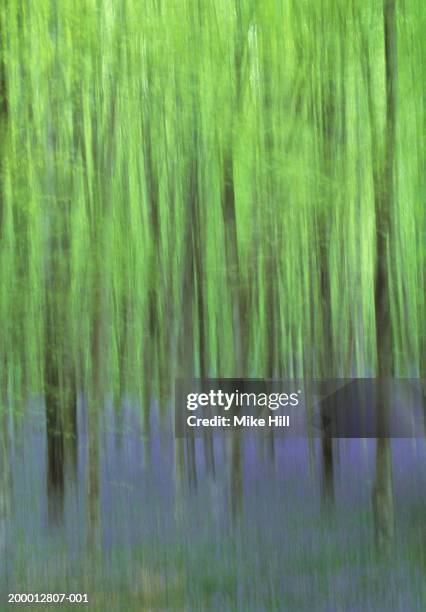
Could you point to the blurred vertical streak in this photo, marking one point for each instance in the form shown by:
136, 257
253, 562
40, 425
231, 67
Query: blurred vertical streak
4, 483
185, 449
151, 348
327, 487
200, 280
122, 348
233, 270
271, 265
237, 293
94, 407
59, 356
383, 504
328, 131
99, 157
93, 521
54, 339
54, 426
71, 431
236, 477
4, 112
185, 456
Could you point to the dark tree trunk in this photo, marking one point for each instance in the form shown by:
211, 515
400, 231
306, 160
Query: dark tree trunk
233, 266
5, 482
93, 526
151, 348
3, 133
234, 284
383, 494
54, 416
201, 308
327, 470
4, 112
95, 401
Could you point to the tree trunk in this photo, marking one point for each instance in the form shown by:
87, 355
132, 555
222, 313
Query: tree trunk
5, 483
3, 133
4, 111
54, 422
95, 402
383, 494
201, 307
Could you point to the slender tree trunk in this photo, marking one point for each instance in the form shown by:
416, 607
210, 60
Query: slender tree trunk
326, 357
103, 158
201, 306
54, 423
186, 448
53, 351
188, 293
235, 284
93, 521
151, 348
4, 112
271, 295
383, 494
240, 352
94, 406
233, 263
5, 483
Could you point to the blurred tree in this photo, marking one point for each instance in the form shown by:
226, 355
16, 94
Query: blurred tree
384, 200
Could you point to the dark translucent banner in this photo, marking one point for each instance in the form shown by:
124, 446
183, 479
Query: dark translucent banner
336, 408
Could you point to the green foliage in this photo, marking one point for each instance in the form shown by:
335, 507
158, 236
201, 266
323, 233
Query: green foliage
122, 118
